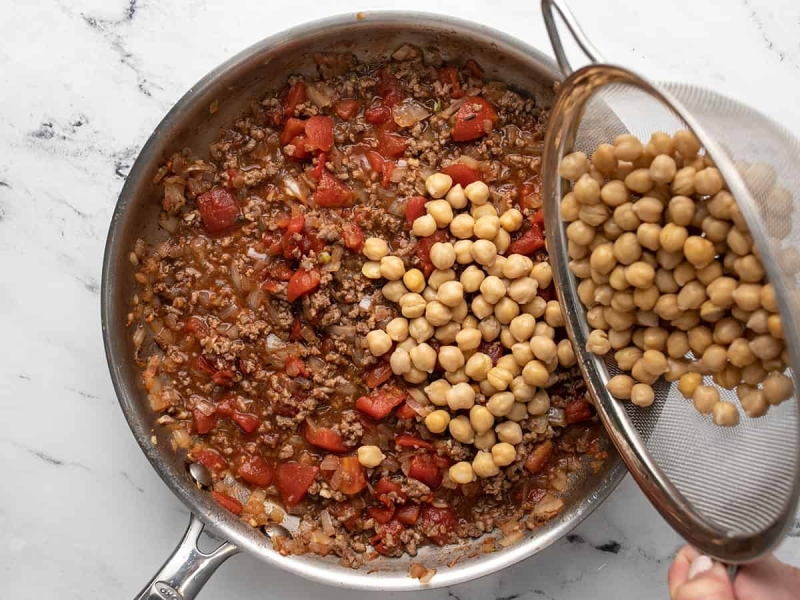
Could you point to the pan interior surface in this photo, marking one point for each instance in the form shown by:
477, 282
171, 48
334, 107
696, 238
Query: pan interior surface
230, 87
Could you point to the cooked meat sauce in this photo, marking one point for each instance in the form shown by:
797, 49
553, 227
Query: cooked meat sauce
258, 310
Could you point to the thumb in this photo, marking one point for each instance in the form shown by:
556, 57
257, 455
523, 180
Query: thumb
707, 580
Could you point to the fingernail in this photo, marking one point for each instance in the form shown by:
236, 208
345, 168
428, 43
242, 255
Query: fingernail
700, 565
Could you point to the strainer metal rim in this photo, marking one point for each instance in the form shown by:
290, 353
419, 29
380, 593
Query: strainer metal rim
574, 92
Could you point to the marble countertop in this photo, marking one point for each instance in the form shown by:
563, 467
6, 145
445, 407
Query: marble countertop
82, 84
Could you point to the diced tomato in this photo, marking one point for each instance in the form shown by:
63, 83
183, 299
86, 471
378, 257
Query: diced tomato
232, 504
388, 168
387, 538
296, 95
292, 225
577, 410
406, 440
281, 271
529, 242
332, 193
408, 514
297, 327
294, 367
391, 145
292, 129
345, 512
382, 514
203, 423
301, 147
493, 350
475, 70
379, 404
539, 456
319, 131
462, 174
247, 421
196, 327
474, 119
351, 476
449, 75
439, 524
377, 115
423, 250
316, 172
255, 470
293, 480
378, 374
346, 108
389, 89
353, 237
302, 283
218, 209
538, 217
423, 468
210, 459
324, 437
530, 193
270, 286
375, 161
415, 208
386, 486
201, 365
404, 411
223, 377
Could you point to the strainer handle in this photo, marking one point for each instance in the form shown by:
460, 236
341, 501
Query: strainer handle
549, 8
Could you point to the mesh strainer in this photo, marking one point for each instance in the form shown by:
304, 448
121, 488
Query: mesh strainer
731, 492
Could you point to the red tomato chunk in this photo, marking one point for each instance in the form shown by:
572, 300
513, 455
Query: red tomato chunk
474, 119
232, 504
218, 209
379, 404
302, 282
293, 480
256, 471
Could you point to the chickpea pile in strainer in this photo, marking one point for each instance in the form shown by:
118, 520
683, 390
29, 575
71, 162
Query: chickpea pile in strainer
671, 280
493, 297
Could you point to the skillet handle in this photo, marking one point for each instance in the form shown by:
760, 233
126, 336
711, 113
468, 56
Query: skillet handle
549, 8
188, 569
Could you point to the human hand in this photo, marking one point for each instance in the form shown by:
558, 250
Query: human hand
693, 576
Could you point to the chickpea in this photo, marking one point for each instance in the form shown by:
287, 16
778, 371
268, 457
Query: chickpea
509, 363
492, 288
522, 391
725, 413
565, 353
580, 233
692, 296
437, 313
484, 252
460, 396
553, 315
715, 357
499, 378
627, 147
655, 338
740, 353
646, 298
624, 216
752, 400
490, 328
654, 361
521, 327
437, 391
511, 220
729, 377
720, 205
667, 307
517, 266
639, 181
378, 342
503, 454
747, 296
370, 456
484, 466
443, 255
481, 419
627, 357
502, 241
438, 184
619, 339
596, 318
602, 259
487, 227
408, 343
620, 386
481, 308
663, 169
597, 343
535, 307
640, 275
699, 251
686, 143
580, 268
451, 358
522, 353
375, 248
648, 235
420, 329
481, 211
766, 347
437, 421
642, 395
371, 269
461, 226
775, 326
641, 374
587, 290
740, 243
587, 190
509, 432
535, 373
461, 429
676, 368
446, 334
518, 412
768, 299
683, 182
468, 339
570, 208
754, 374
423, 357
505, 310
627, 249
708, 181
477, 192
543, 348
456, 197
749, 269
720, 291
688, 383
573, 165
393, 291
424, 226
397, 329
677, 344
400, 362
462, 473
777, 388
648, 209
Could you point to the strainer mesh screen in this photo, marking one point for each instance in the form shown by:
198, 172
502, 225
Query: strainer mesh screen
739, 479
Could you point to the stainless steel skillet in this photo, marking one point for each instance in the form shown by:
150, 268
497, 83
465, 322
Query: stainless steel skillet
245, 77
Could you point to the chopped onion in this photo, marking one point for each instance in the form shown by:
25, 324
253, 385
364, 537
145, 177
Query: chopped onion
274, 342
236, 489
405, 52
315, 364
138, 337
173, 196
293, 187
168, 222
365, 303
557, 417
327, 522
397, 174
254, 299
424, 574
227, 312
336, 260
345, 389
251, 252
320, 94
398, 207
329, 463
453, 108
409, 113
181, 438
511, 539
345, 331
236, 277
